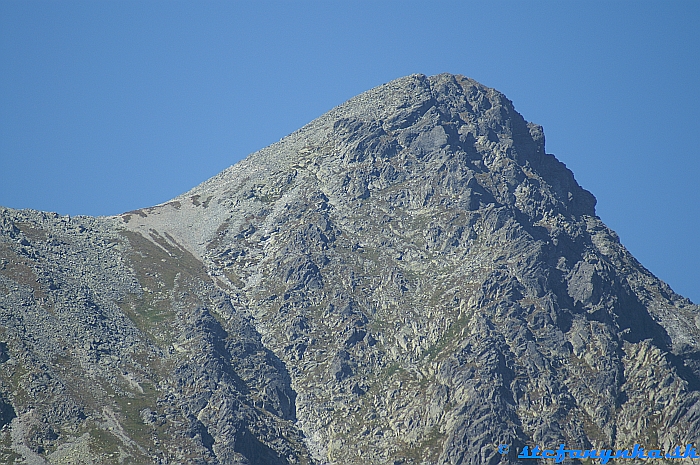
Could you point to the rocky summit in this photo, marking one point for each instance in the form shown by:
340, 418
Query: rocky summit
408, 279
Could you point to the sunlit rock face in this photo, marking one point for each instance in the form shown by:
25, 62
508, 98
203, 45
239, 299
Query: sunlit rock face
408, 279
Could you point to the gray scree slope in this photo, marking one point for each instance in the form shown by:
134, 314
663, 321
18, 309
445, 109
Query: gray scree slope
408, 279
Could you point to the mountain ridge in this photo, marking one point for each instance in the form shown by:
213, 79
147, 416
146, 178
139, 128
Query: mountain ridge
409, 278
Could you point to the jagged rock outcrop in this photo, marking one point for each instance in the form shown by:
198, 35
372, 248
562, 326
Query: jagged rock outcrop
410, 278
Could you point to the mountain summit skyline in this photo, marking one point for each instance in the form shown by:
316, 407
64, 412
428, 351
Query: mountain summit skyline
409, 278
106, 112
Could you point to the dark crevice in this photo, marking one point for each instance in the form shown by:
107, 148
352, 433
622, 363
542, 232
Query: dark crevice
7, 412
255, 451
687, 368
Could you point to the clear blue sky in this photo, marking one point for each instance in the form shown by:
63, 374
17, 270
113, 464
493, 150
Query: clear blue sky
109, 106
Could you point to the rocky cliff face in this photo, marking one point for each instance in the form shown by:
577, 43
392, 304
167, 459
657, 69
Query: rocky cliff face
408, 279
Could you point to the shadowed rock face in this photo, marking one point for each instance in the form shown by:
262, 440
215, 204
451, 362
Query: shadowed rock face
409, 278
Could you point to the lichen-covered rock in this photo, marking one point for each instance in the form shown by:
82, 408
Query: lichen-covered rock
410, 278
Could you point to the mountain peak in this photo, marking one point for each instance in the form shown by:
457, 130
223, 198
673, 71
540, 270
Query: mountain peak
447, 127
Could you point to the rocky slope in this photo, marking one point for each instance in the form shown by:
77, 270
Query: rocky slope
408, 279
